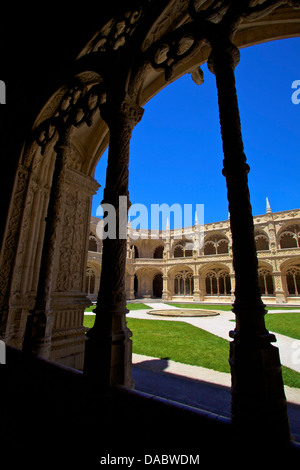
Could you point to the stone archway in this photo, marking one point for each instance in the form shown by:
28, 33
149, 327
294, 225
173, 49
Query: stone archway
77, 105
158, 286
130, 58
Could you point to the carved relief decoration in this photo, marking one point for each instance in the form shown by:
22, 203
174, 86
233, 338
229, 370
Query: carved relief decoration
114, 34
71, 252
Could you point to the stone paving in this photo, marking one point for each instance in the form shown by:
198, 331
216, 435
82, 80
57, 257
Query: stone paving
220, 326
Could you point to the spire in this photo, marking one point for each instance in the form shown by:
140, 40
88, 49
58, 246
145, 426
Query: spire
167, 232
129, 226
196, 218
268, 208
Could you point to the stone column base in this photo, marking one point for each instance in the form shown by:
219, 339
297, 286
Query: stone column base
280, 298
259, 411
108, 353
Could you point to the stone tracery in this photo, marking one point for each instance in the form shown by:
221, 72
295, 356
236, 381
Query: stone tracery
176, 40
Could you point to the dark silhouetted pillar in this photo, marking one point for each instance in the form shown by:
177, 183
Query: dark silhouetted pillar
258, 401
108, 358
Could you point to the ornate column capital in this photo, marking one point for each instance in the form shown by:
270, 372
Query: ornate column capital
125, 109
223, 54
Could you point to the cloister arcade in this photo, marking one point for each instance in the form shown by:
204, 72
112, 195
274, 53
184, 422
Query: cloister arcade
207, 274
94, 98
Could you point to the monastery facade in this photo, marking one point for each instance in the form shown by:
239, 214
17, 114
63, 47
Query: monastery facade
167, 267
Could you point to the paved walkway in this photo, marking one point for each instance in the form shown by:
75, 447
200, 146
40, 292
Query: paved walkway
218, 325
289, 348
200, 387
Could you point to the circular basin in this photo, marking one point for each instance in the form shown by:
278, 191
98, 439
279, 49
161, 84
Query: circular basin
184, 312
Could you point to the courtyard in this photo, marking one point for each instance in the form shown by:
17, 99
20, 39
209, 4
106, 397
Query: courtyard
203, 341
185, 359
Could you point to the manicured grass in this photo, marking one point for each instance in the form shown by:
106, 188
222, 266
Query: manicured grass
270, 307
287, 324
226, 308
134, 306
89, 321
181, 342
178, 341
290, 377
90, 308
130, 306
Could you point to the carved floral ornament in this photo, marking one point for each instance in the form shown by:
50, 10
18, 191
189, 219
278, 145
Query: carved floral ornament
160, 35
75, 108
114, 34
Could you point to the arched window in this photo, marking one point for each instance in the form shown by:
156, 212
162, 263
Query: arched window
188, 253
211, 283
136, 286
93, 243
184, 283
265, 280
262, 242
158, 285
290, 237
222, 247
216, 245
210, 248
90, 281
224, 283
218, 282
158, 252
136, 251
288, 240
178, 251
293, 280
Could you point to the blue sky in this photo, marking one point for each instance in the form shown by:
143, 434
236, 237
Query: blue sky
176, 150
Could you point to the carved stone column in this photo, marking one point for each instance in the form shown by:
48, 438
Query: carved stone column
196, 294
232, 282
258, 400
165, 291
37, 339
131, 295
279, 291
108, 350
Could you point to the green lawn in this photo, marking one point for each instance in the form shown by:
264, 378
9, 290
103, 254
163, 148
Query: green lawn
130, 306
225, 308
181, 342
287, 324
134, 306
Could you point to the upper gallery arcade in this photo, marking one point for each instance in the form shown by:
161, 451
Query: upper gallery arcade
56, 131
169, 268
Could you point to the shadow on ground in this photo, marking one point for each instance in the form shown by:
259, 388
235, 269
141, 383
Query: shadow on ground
151, 377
